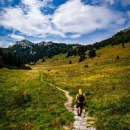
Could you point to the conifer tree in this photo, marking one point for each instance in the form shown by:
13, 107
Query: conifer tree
81, 58
70, 62
92, 53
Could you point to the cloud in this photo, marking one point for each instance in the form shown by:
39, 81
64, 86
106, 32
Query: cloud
73, 17
75, 35
17, 37
28, 19
84, 18
4, 43
102, 2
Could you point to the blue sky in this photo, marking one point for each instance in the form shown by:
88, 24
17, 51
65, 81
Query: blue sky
64, 21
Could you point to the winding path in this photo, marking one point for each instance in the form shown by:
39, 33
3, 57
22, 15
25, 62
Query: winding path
69, 101
82, 122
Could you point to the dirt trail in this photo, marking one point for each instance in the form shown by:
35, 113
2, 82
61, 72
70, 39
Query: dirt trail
82, 122
69, 100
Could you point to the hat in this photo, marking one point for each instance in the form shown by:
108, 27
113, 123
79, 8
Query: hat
80, 91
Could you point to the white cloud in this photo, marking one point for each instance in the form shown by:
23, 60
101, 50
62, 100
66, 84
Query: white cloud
84, 18
4, 43
75, 35
72, 17
103, 2
17, 37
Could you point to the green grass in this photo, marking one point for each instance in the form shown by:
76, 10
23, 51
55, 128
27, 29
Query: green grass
28, 103
106, 82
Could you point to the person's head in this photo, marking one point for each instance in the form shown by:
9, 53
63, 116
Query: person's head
80, 91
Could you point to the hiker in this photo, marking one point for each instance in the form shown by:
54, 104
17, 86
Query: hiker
80, 101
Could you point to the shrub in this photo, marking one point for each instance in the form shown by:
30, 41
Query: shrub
92, 53
85, 66
117, 57
70, 62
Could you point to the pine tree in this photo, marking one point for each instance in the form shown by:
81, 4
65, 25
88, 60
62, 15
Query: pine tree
70, 62
92, 53
43, 59
81, 58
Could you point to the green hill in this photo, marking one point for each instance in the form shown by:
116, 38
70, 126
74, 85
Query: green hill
28, 52
105, 80
28, 101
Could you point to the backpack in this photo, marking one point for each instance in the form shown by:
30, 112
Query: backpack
81, 98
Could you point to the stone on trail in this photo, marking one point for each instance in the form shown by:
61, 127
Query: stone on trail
81, 122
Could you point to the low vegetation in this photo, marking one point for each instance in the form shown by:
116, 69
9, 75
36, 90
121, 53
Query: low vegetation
105, 80
28, 101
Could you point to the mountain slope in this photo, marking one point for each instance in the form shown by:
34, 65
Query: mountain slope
30, 52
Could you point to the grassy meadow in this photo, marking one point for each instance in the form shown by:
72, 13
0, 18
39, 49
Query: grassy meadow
29, 102
105, 80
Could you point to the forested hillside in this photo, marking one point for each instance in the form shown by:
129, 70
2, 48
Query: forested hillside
25, 51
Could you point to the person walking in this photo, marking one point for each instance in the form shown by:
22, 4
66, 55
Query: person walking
80, 101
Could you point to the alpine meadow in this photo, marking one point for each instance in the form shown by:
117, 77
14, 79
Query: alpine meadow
30, 100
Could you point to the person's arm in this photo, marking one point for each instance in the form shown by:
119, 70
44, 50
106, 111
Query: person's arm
84, 98
76, 98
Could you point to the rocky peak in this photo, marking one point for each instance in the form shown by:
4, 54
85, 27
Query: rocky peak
24, 43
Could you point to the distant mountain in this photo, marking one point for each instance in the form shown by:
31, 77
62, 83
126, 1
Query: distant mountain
32, 52
24, 44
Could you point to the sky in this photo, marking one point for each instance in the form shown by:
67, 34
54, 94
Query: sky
63, 21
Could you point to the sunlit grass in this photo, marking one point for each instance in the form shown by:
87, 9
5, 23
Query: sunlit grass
106, 81
29, 103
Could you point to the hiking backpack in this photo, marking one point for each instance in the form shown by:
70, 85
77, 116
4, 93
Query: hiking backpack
81, 98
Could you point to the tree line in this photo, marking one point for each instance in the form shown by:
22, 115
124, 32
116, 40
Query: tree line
121, 37
25, 54
11, 61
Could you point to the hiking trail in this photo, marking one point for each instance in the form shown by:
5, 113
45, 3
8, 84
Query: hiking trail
83, 122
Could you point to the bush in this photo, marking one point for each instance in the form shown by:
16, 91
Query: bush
92, 53
117, 57
70, 62
85, 66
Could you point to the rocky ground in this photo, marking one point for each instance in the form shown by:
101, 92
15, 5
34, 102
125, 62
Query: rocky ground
83, 122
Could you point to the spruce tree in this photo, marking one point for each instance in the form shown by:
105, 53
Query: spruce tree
81, 58
70, 62
92, 53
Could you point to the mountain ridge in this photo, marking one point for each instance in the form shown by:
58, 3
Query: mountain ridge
32, 52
